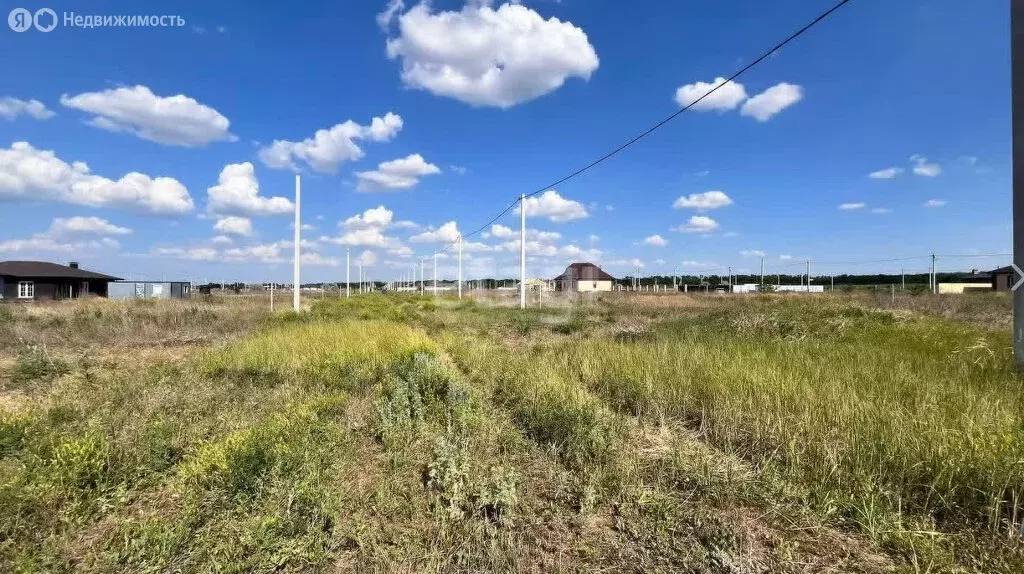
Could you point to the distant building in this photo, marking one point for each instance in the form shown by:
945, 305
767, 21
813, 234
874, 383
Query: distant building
41, 280
1003, 278
584, 277
150, 290
538, 285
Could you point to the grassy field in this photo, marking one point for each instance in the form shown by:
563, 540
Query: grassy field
393, 433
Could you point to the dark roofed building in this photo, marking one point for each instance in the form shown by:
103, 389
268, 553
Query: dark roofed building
584, 277
1003, 278
42, 280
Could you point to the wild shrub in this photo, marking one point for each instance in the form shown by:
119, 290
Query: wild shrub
35, 363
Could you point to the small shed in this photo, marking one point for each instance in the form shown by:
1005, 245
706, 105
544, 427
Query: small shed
150, 290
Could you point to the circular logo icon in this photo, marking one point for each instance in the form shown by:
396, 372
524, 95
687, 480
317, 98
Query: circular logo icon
19, 19
44, 24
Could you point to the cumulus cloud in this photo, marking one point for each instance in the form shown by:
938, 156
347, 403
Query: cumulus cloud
772, 101
881, 210
499, 231
703, 201
851, 206
397, 174
329, 148
221, 239
935, 203
367, 237
447, 233
555, 207
234, 225
72, 234
367, 258
72, 226
723, 99
193, 254
785, 257
698, 224
29, 174
485, 56
11, 108
375, 218
175, 120
656, 241
752, 253
887, 173
238, 193
923, 167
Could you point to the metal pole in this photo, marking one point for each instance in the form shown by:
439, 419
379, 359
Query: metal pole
522, 251
423, 279
832, 287
808, 275
435, 275
271, 297
460, 267
348, 268
762, 274
298, 228
1017, 109
903, 280
360, 264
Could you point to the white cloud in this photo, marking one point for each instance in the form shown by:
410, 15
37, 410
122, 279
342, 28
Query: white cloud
703, 201
725, 98
221, 239
656, 241
329, 148
401, 251
175, 120
502, 232
752, 253
785, 257
375, 218
385, 17
366, 259
42, 242
11, 108
447, 233
660, 261
772, 101
64, 227
367, 237
238, 193
318, 260
489, 57
698, 224
194, 254
881, 210
29, 174
594, 238
887, 173
234, 225
402, 173
935, 203
851, 206
458, 169
923, 167
555, 207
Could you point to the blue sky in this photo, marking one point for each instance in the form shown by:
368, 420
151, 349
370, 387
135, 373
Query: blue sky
476, 103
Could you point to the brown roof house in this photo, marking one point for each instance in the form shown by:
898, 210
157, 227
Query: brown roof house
1003, 278
584, 277
41, 280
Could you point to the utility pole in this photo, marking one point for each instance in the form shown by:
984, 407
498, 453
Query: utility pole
808, 275
348, 269
460, 267
298, 228
832, 286
423, 279
522, 251
360, 264
271, 297
934, 281
903, 280
762, 275
1017, 108
730, 279
435, 275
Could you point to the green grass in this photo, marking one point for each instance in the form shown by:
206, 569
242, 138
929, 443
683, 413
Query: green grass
398, 433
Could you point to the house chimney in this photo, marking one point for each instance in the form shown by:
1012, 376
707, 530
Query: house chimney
73, 264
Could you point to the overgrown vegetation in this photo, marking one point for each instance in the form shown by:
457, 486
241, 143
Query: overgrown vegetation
401, 433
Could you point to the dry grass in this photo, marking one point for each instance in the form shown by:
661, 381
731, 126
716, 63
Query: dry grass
699, 433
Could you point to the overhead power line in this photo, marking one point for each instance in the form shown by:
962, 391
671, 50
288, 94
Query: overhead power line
664, 121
